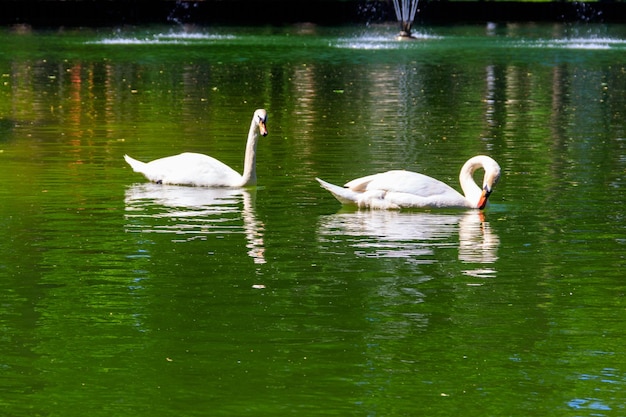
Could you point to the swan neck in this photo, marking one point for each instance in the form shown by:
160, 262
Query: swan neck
249, 163
471, 190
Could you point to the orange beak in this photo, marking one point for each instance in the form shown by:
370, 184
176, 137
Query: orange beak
262, 128
482, 202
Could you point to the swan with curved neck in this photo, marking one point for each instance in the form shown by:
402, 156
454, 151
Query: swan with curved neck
202, 170
405, 189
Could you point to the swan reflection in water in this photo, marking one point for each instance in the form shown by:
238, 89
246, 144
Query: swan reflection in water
415, 236
194, 213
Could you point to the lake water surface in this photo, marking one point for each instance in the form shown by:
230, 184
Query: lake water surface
119, 297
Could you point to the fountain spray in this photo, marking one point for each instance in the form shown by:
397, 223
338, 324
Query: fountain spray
405, 12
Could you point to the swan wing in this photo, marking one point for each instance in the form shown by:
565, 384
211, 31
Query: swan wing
408, 200
361, 184
402, 182
189, 169
408, 189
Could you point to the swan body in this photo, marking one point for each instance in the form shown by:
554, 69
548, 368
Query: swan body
202, 170
405, 189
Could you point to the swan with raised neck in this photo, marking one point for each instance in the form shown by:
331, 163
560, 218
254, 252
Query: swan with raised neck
201, 170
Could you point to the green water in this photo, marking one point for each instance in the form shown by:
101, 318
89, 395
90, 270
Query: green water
119, 297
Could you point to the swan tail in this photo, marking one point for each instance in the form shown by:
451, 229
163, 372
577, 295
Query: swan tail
375, 199
344, 195
136, 165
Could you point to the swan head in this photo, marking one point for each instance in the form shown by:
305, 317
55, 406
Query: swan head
492, 175
260, 119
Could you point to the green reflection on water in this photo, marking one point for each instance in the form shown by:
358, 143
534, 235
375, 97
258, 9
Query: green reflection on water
123, 297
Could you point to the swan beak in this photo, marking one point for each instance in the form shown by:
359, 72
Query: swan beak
262, 128
482, 202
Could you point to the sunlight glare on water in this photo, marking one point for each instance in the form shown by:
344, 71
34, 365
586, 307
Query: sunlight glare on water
171, 38
383, 41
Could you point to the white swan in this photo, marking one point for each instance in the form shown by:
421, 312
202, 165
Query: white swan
202, 170
406, 189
